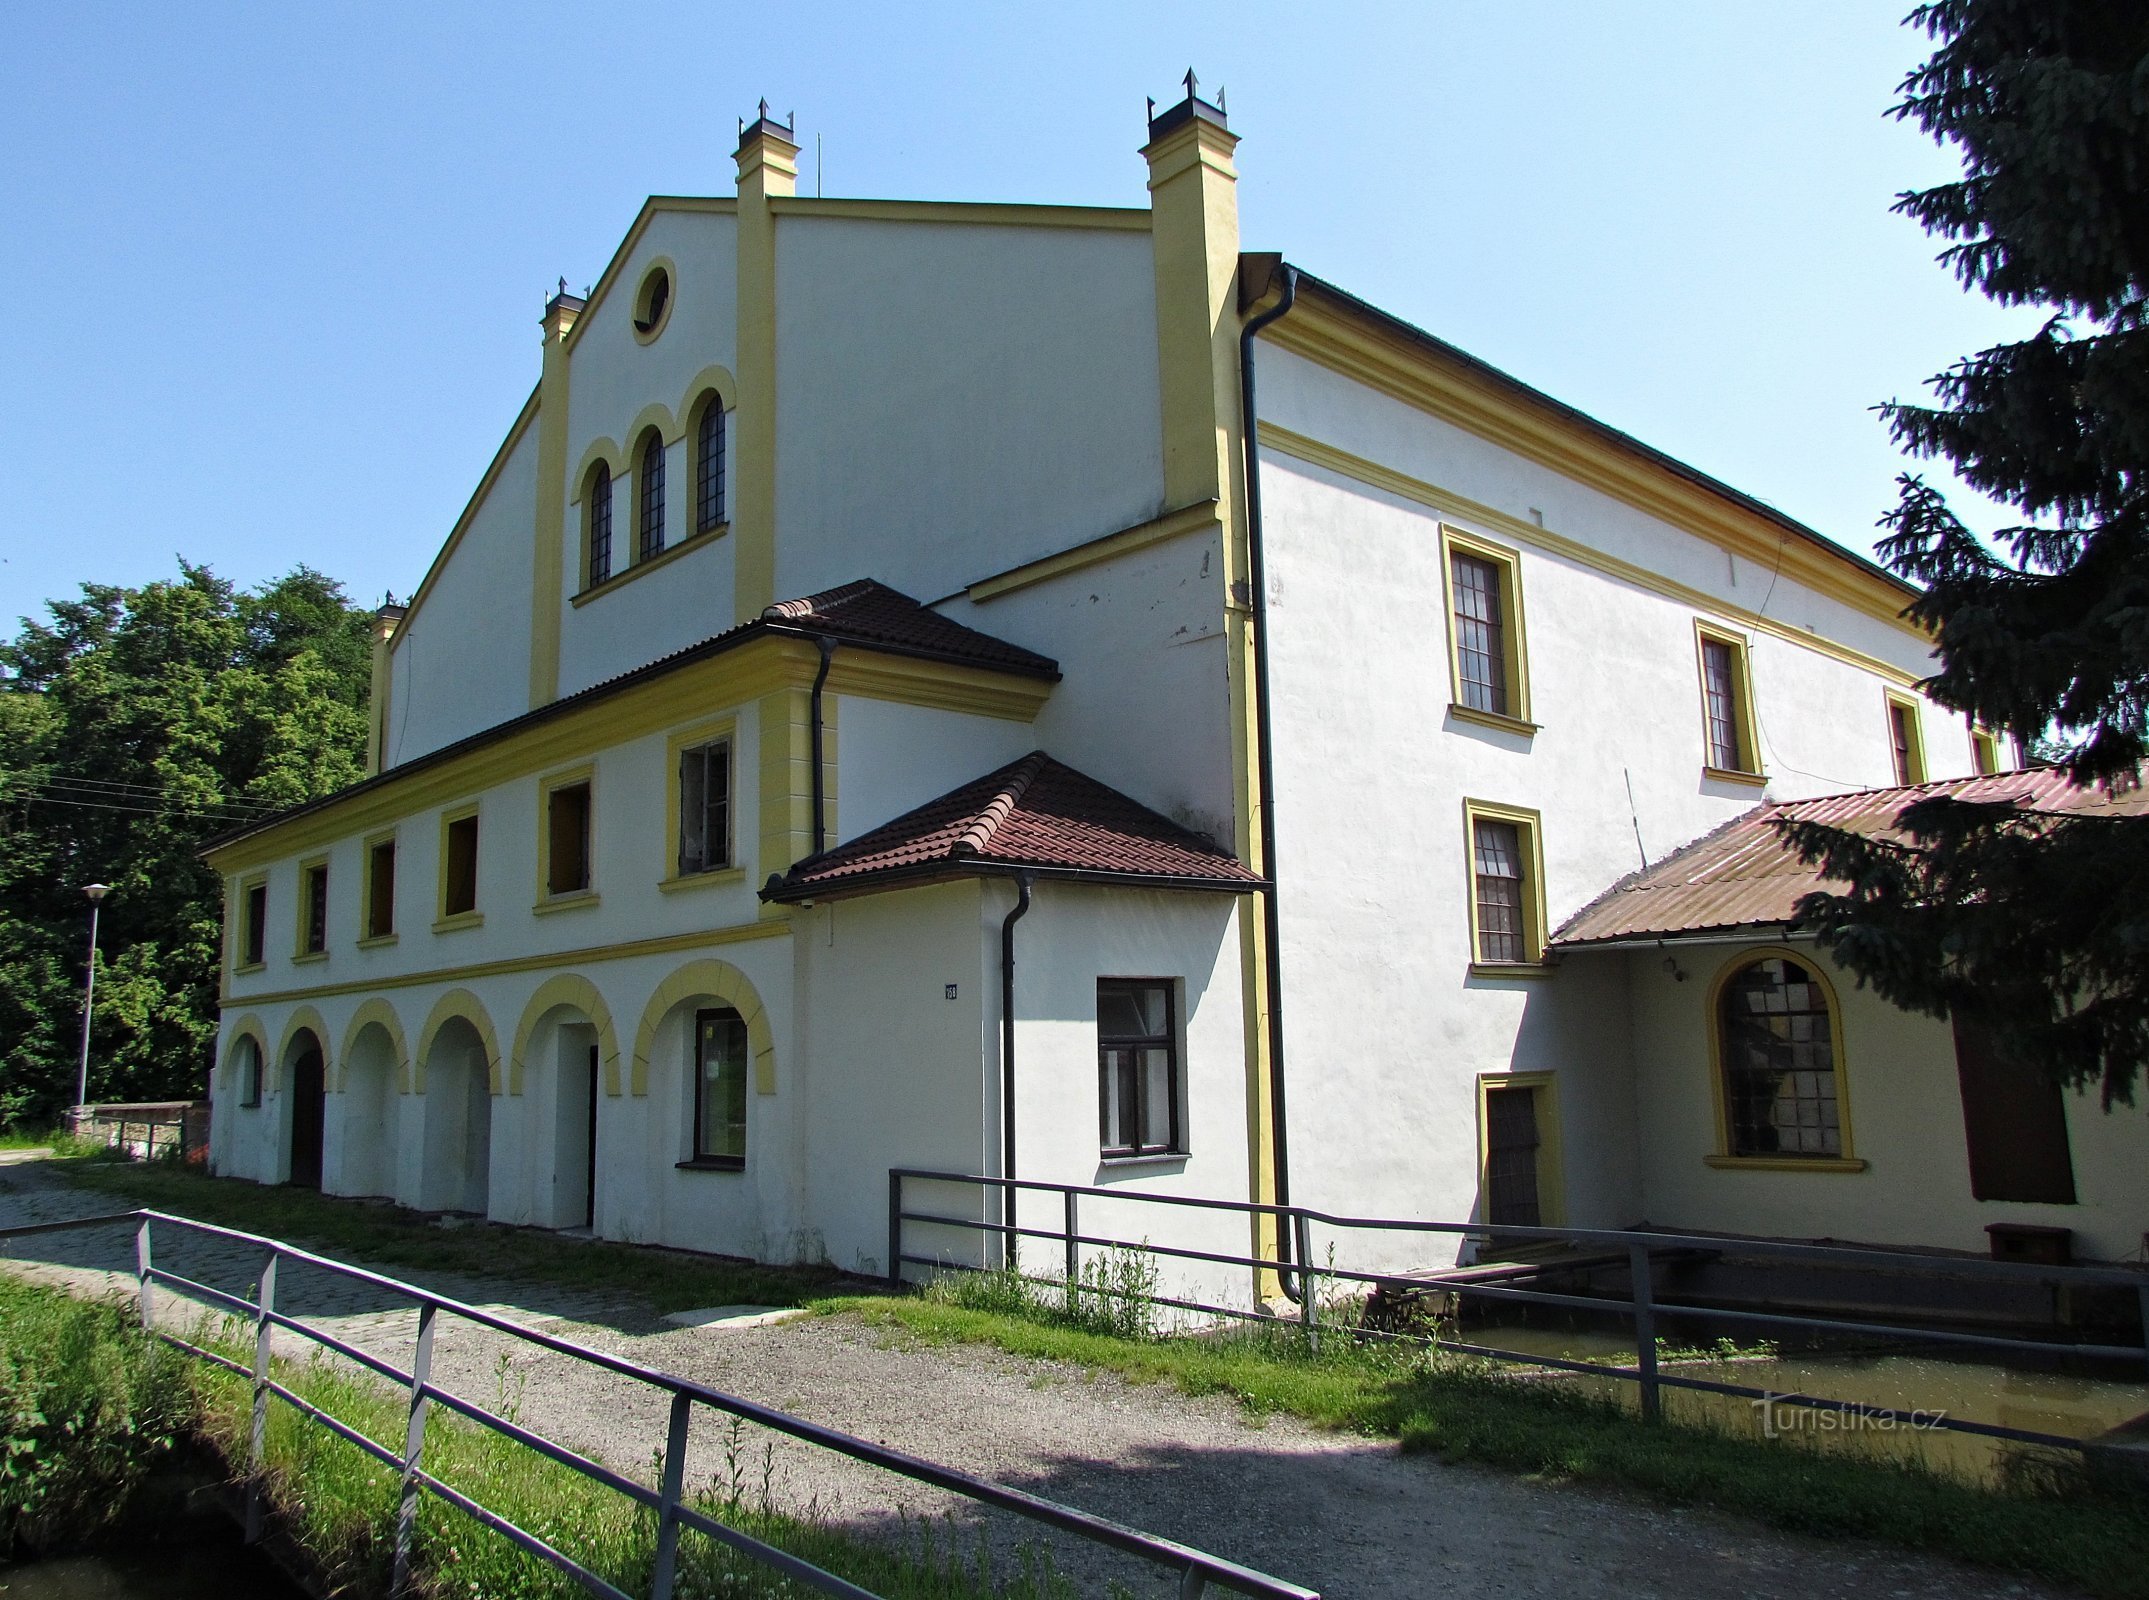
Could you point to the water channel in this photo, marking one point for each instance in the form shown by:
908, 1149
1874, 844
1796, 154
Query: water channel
213, 1570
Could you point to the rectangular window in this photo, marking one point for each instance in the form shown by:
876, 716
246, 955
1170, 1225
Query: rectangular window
705, 807
1507, 893
2014, 1122
1490, 676
720, 1062
567, 819
1984, 752
1511, 1146
380, 888
1906, 745
1137, 1068
254, 923
1730, 745
313, 908
459, 865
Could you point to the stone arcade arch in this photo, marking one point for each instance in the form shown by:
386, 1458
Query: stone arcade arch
456, 1072
301, 1086
565, 1047
372, 1078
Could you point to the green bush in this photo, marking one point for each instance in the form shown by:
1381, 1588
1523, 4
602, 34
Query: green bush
88, 1405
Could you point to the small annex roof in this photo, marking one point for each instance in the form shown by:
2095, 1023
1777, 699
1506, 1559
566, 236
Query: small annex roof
864, 613
1035, 815
1743, 876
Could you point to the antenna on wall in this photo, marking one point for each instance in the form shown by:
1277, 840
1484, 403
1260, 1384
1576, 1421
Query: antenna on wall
817, 166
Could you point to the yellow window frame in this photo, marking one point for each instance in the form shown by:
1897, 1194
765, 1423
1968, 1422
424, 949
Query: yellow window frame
242, 900
1920, 769
1846, 1160
1984, 752
711, 730
1514, 633
1529, 827
1744, 722
584, 774
307, 867
367, 938
1551, 1163
443, 922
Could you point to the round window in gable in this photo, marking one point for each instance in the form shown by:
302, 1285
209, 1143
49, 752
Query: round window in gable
653, 301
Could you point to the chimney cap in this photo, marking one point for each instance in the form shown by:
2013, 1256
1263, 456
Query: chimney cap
765, 123
560, 300
1192, 109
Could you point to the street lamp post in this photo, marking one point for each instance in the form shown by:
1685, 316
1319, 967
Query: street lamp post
96, 892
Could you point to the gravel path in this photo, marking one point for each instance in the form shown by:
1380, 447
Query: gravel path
1351, 1517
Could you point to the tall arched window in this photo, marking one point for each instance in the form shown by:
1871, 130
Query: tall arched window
709, 466
599, 515
1777, 1051
649, 472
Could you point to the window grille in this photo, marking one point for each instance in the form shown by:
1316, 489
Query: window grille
651, 474
1720, 680
709, 467
1779, 1062
1480, 634
1502, 926
1137, 1067
1511, 1145
600, 524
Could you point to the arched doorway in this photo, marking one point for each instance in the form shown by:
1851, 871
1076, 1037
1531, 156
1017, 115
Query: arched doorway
307, 1072
372, 1103
457, 1174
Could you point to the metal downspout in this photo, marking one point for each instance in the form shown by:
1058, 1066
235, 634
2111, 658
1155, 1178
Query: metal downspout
1007, 1057
1257, 575
820, 806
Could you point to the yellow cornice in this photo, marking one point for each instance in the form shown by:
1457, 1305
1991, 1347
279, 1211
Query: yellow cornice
1200, 517
1352, 344
739, 933
977, 214
523, 419
1448, 503
745, 672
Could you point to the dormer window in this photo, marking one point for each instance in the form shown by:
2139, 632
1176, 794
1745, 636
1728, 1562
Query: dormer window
649, 522
598, 516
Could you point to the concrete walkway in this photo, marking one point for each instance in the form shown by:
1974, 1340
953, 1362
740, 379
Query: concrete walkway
1351, 1517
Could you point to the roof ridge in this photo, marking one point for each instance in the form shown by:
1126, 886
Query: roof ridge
993, 815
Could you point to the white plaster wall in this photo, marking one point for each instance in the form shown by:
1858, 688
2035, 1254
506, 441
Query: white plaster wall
1072, 936
956, 399
1144, 704
462, 660
891, 758
896, 1073
1906, 1124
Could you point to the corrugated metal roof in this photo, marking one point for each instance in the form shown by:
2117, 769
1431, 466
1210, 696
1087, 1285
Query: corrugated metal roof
1743, 874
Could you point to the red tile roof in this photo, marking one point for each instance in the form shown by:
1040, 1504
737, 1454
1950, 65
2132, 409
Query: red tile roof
1032, 814
1743, 875
872, 613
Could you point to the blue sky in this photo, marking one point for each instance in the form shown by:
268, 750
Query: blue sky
277, 271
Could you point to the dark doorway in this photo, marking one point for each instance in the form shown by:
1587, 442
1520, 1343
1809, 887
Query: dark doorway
589, 1186
309, 1118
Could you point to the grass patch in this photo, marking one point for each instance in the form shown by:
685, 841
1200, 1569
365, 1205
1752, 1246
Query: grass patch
391, 1237
2053, 1519
88, 1405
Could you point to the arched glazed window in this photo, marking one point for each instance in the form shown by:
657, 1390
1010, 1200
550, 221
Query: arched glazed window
1776, 1042
247, 1060
649, 472
709, 466
598, 513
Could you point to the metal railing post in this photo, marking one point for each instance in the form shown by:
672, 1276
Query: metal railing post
895, 1229
257, 1446
673, 1486
1645, 1331
144, 1292
1308, 1301
406, 1516
1074, 1232
2143, 1292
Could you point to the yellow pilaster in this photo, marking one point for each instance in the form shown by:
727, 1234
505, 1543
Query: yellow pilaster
385, 622
768, 168
548, 542
786, 779
1194, 231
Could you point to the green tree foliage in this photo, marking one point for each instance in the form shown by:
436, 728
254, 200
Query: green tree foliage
2038, 926
134, 725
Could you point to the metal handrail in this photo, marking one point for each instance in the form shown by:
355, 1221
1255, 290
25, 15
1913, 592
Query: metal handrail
1196, 1568
1639, 1247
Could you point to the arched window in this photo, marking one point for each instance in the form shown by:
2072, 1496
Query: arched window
1777, 1050
248, 1062
709, 466
721, 1057
649, 526
599, 513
